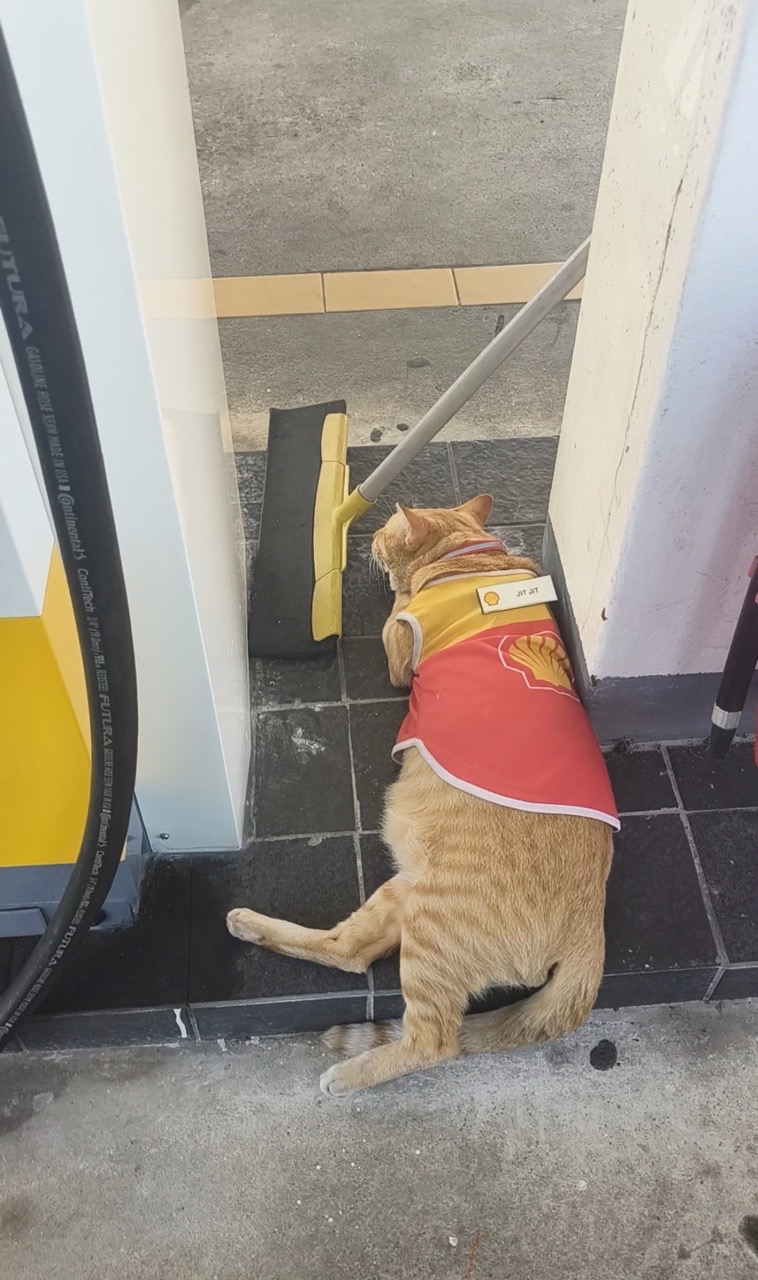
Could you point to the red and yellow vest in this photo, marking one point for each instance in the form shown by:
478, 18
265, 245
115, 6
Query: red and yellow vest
493, 708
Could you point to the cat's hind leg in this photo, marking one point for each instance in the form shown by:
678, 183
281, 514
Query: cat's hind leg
436, 984
370, 932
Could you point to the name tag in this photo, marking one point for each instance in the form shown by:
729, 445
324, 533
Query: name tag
516, 595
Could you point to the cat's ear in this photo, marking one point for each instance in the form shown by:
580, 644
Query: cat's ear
417, 526
478, 508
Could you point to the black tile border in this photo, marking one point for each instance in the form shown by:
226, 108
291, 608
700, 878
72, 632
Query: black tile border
108, 1029
240, 1019
315, 1012
388, 1005
738, 983
617, 990
289, 1015
263, 1016
667, 986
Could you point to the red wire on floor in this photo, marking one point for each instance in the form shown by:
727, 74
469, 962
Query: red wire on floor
472, 1255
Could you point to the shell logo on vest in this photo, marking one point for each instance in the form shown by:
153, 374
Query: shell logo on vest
541, 660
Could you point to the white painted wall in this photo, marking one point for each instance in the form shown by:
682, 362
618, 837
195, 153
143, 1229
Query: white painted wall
26, 540
106, 97
655, 500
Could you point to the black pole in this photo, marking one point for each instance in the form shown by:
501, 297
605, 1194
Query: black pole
738, 672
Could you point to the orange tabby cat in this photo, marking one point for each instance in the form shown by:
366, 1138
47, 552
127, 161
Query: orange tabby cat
484, 894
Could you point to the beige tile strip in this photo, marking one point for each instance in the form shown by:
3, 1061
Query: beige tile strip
333, 291
269, 295
480, 286
389, 290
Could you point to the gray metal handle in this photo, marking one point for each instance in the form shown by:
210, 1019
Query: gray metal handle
477, 373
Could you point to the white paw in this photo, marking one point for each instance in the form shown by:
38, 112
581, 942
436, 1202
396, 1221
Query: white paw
243, 924
331, 1084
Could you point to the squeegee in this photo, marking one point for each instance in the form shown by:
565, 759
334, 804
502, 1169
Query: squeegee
308, 508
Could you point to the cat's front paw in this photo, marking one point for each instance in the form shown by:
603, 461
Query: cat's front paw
334, 1082
245, 925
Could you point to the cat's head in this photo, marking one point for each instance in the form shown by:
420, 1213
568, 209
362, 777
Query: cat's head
416, 536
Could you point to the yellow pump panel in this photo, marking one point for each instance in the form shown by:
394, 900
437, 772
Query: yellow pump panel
44, 744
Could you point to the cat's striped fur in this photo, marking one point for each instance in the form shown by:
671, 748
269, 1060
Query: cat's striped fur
484, 895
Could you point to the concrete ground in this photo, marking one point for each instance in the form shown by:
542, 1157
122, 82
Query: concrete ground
391, 366
226, 1163
394, 135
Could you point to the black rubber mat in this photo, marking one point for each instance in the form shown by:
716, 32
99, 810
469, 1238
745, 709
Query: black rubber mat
283, 580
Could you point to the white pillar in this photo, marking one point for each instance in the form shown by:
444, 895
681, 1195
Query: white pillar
105, 91
26, 539
654, 507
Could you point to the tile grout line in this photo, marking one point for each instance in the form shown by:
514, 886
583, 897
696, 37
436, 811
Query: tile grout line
739, 740
651, 973
320, 706
362, 890
253, 767
301, 835
374, 831
357, 819
736, 808
353, 780
453, 471
718, 937
722, 969
299, 998
648, 813
668, 811
359, 866
190, 915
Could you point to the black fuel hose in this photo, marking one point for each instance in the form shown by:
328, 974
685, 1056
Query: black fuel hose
37, 310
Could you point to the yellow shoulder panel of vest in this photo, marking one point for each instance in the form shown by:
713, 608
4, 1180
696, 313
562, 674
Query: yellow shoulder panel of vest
449, 611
